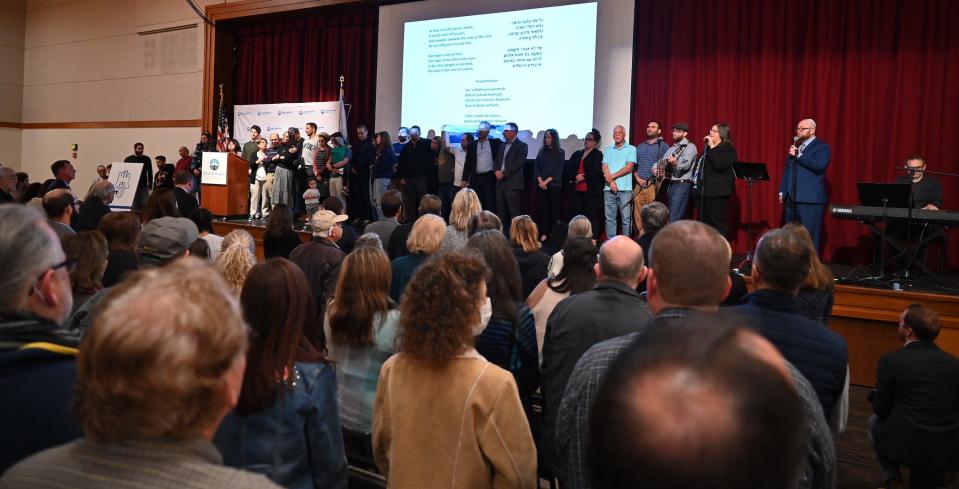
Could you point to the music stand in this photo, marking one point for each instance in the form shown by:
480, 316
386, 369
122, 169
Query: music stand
750, 173
884, 195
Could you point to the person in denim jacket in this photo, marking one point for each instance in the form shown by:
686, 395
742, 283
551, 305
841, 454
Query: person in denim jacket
286, 424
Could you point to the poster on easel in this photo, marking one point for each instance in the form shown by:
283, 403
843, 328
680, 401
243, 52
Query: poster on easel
125, 178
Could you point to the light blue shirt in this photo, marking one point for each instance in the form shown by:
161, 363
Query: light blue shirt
615, 159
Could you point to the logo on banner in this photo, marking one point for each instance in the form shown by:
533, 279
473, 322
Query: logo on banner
272, 128
262, 113
282, 113
214, 164
327, 111
305, 112
241, 114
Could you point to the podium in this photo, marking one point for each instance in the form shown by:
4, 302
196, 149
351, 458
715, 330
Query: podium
225, 184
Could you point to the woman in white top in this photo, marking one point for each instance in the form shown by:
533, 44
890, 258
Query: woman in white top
579, 227
577, 275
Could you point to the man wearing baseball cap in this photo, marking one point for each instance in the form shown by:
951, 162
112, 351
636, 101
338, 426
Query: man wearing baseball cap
320, 259
680, 157
165, 239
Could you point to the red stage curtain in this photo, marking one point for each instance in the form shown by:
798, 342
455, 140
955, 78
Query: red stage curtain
880, 77
300, 57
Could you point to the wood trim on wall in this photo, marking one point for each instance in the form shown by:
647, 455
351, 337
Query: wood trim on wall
103, 124
247, 8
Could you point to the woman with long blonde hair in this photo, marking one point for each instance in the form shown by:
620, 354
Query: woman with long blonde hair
466, 204
237, 256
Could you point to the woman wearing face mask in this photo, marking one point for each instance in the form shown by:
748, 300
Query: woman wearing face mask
444, 416
509, 340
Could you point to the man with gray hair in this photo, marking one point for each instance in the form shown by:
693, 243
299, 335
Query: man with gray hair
8, 183
36, 354
612, 308
654, 216
96, 206
508, 168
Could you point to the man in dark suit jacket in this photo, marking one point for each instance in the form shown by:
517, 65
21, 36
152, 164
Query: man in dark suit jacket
809, 156
508, 166
146, 176
64, 173
185, 201
612, 308
97, 206
916, 402
477, 171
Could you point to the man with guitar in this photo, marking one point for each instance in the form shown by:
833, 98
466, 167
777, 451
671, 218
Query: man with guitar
679, 157
648, 154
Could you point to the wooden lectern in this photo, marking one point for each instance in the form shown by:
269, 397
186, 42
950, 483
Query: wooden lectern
231, 199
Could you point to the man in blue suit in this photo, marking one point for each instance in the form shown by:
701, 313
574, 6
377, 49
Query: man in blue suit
809, 156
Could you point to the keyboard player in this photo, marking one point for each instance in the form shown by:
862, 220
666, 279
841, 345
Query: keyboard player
926, 191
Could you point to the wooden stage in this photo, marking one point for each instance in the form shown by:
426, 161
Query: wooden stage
866, 317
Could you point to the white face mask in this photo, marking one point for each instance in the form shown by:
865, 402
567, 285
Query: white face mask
486, 312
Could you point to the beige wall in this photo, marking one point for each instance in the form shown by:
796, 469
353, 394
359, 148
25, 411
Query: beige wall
93, 61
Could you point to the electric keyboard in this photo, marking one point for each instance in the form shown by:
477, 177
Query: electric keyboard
893, 214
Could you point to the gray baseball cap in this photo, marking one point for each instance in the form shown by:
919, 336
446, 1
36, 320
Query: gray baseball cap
164, 238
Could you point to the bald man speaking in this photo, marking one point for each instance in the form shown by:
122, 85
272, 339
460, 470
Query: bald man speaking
803, 188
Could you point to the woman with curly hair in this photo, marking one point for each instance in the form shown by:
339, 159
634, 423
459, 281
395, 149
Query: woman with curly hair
444, 416
236, 258
286, 424
466, 204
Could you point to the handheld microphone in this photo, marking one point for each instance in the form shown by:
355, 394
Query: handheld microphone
795, 143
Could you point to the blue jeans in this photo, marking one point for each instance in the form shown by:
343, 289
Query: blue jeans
620, 201
678, 196
379, 187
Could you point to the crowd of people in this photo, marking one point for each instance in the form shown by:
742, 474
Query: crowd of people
435, 342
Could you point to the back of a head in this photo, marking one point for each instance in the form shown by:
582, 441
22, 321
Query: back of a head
56, 202
102, 190
427, 234
579, 260
504, 286
88, 250
923, 321
466, 204
369, 240
161, 203
276, 302
782, 261
621, 260
697, 405
430, 204
391, 202
236, 258
440, 305
182, 177
820, 277
691, 263
203, 219
333, 204
28, 247
164, 381
523, 233
580, 227
483, 221
121, 230
362, 291
654, 217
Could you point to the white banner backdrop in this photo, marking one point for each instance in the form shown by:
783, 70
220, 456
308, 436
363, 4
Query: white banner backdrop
279, 117
213, 171
125, 177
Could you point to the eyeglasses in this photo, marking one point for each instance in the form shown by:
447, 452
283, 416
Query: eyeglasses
798, 129
68, 264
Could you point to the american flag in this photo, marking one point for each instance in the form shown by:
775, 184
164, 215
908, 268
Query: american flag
223, 127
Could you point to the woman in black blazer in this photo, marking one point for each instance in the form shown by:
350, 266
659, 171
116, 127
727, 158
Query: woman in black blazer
584, 175
715, 181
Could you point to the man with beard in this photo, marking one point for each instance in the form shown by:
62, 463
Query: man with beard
648, 153
803, 188
146, 176
415, 164
680, 157
205, 144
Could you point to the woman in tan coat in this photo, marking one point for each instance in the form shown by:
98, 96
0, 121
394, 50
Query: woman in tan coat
443, 415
